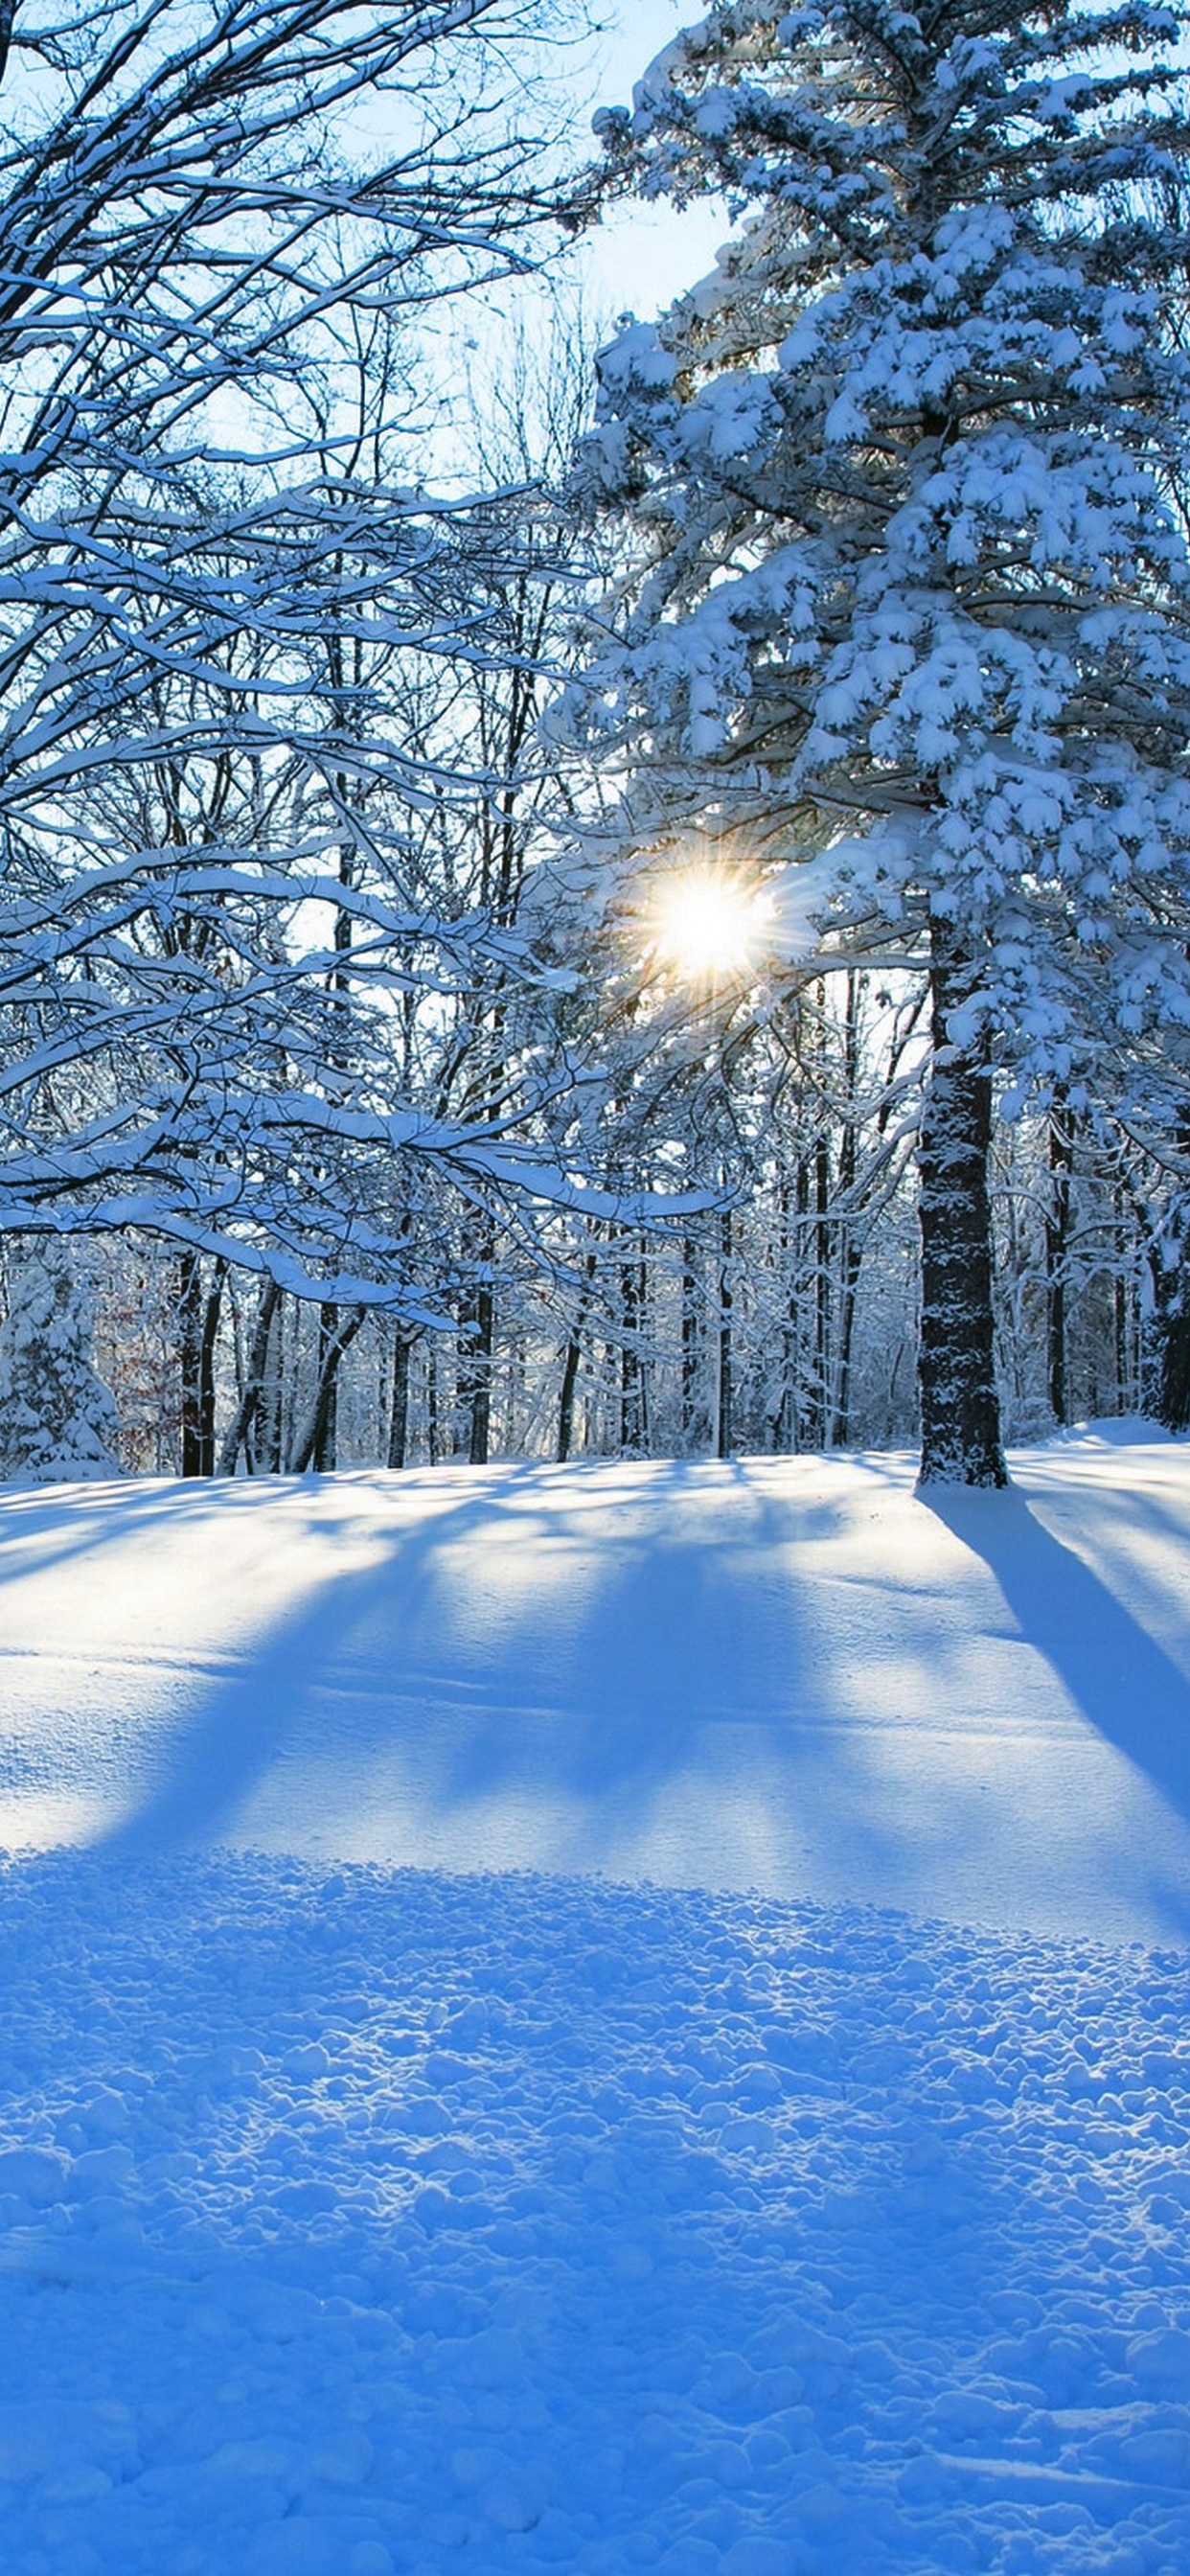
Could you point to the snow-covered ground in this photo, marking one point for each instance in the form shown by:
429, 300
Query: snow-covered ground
788, 1675
381, 2188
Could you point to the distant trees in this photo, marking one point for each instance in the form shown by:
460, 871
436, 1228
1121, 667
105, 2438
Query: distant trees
907, 597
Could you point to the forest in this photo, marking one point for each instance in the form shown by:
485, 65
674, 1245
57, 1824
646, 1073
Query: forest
576, 885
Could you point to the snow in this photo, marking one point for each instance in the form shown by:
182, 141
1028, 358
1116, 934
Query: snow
384, 2189
735, 1677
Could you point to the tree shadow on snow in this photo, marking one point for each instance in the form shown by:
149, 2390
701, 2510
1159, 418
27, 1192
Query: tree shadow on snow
538, 1675
1126, 1686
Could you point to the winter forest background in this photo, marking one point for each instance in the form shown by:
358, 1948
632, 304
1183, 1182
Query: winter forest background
573, 885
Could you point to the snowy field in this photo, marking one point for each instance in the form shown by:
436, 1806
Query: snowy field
606, 2018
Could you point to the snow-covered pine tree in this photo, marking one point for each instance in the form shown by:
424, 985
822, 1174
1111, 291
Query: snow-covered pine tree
57, 1418
907, 581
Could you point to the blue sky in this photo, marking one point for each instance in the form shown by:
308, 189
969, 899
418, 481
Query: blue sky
639, 260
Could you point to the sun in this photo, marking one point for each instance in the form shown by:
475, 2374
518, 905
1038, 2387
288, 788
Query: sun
706, 923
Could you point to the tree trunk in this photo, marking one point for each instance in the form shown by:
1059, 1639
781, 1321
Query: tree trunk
253, 1380
206, 1370
326, 1402
852, 1263
1120, 1306
200, 1326
960, 1409
311, 1443
631, 1407
1169, 1263
398, 1417
190, 1303
1173, 1385
809, 1423
433, 1414
475, 1367
574, 1350
723, 1438
850, 1255
646, 1364
266, 1433
784, 1419
1057, 1238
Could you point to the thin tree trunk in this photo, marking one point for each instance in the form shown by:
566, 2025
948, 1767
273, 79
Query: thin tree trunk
690, 1343
311, 1442
850, 1251
1120, 1313
200, 1326
253, 1379
631, 1422
785, 1418
723, 1434
809, 1430
267, 1431
1057, 1238
206, 1369
570, 1369
326, 1402
852, 1264
960, 1409
822, 1280
479, 1376
645, 1367
398, 1418
190, 1306
433, 1419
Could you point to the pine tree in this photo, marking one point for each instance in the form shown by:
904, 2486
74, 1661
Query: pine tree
908, 584
57, 1418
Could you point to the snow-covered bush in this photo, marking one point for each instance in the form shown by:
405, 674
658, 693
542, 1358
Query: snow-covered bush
57, 1418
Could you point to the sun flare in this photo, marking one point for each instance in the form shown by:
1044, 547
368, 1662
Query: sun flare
707, 923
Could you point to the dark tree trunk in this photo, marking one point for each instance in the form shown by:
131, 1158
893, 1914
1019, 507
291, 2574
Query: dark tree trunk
206, 1370
850, 1252
241, 1428
631, 1409
190, 1304
852, 1263
474, 1405
481, 1402
690, 1338
312, 1443
200, 1326
324, 1455
1170, 1268
784, 1419
266, 1432
398, 1415
960, 1409
809, 1424
822, 1282
1173, 1385
723, 1440
433, 1412
570, 1370
1057, 1239
1120, 1312
646, 1369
